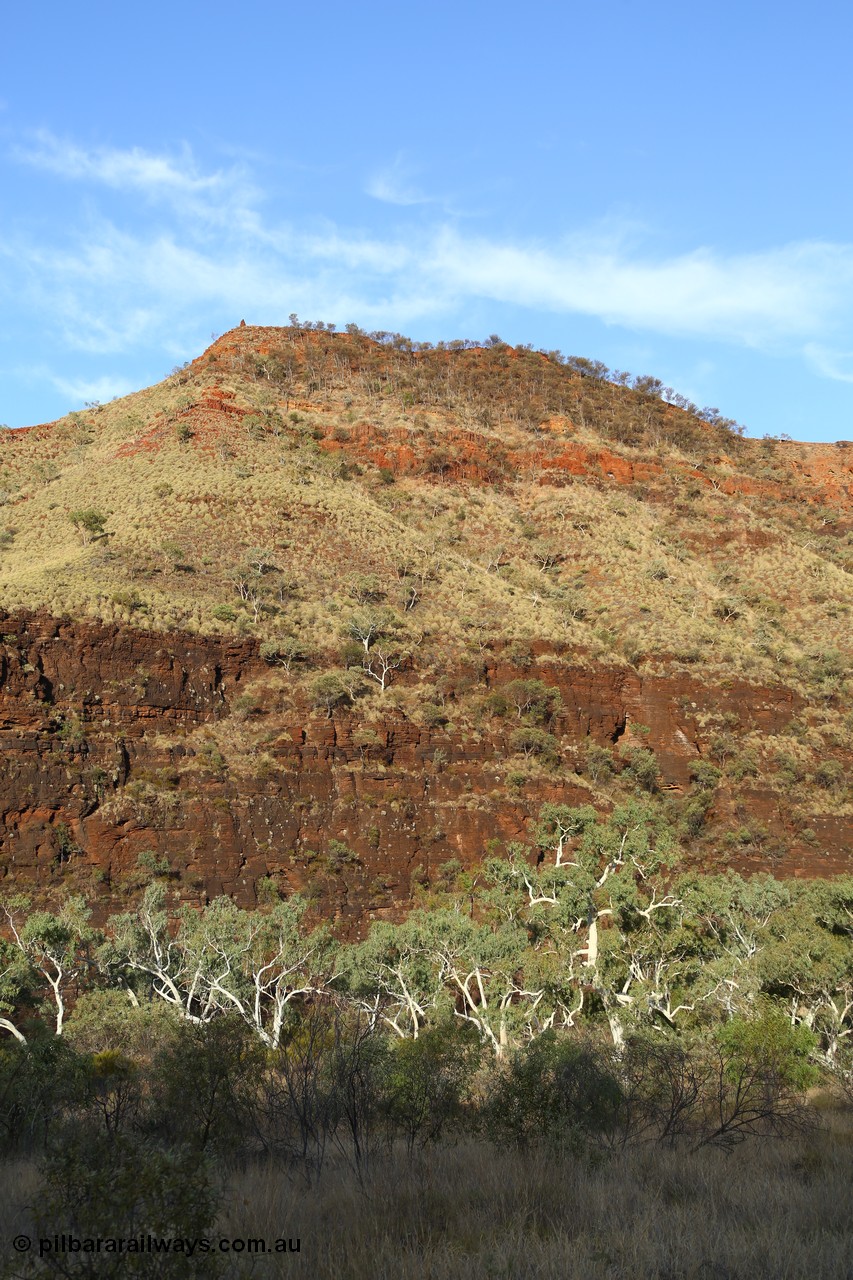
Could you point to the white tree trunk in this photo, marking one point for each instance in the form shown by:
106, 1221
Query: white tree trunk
6, 1025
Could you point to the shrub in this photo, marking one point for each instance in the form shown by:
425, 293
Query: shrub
744, 765
535, 742
556, 1093
247, 704
427, 1082
599, 762
284, 652
38, 1082
88, 522
432, 715
340, 855
496, 704
705, 775
148, 861
695, 813
119, 1187
770, 1044
330, 691
532, 699
829, 775
641, 767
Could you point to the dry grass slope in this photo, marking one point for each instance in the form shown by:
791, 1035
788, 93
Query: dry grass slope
441, 481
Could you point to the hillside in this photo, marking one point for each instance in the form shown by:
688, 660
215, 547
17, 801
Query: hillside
328, 611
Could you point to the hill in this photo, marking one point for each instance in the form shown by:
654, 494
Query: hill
329, 611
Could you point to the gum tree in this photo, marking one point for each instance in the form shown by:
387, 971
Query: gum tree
253, 963
55, 948
593, 901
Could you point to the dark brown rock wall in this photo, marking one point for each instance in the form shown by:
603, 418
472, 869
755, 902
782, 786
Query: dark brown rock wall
97, 767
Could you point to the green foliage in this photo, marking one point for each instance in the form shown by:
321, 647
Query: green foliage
50, 951
771, 1044
641, 766
743, 765
112, 1186
705, 775
556, 1093
599, 762
224, 613
72, 731
39, 1084
202, 1077
340, 854
285, 652
329, 691
245, 705
496, 703
695, 812
529, 741
106, 1020
427, 1082
829, 775
88, 522
149, 862
532, 699
432, 715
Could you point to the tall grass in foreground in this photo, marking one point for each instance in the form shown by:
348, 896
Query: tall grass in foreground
769, 1211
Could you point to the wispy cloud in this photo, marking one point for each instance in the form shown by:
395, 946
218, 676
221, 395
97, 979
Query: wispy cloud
88, 391
115, 284
174, 178
752, 298
829, 362
393, 185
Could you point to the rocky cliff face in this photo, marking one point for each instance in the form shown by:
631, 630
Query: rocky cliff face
113, 764
679, 597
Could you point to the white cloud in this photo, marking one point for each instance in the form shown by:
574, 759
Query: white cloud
755, 298
834, 364
173, 178
113, 287
87, 391
393, 185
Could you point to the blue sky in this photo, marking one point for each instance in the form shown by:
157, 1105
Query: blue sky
663, 186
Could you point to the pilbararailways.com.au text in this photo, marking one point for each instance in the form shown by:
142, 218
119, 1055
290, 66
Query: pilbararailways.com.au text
154, 1244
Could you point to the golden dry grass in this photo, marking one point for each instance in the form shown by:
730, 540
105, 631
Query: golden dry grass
768, 1212
668, 570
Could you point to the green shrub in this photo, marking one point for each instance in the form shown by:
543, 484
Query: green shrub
829, 775
330, 691
556, 1092
112, 1186
88, 522
427, 1081
641, 766
769, 1043
598, 762
705, 775
535, 742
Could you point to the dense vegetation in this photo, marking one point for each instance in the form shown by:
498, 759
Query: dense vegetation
584, 1005
598, 930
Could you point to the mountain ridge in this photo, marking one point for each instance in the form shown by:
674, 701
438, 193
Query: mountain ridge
445, 585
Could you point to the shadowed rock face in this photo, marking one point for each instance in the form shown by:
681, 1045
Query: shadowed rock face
104, 757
